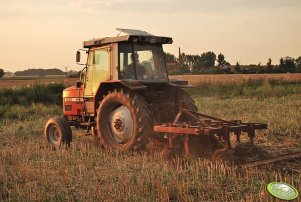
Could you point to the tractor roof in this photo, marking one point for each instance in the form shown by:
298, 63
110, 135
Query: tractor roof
135, 36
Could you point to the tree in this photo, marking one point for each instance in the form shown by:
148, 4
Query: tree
206, 60
270, 66
237, 67
221, 60
1, 73
287, 64
298, 64
290, 64
180, 58
269, 63
182, 65
192, 61
189, 61
171, 63
40, 72
281, 64
170, 58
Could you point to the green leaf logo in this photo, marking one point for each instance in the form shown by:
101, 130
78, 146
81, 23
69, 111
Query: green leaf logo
282, 191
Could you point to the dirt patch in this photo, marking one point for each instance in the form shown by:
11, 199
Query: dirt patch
244, 152
199, 147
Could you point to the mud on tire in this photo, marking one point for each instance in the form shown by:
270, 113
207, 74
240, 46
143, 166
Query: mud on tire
124, 121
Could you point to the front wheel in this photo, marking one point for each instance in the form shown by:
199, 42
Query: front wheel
124, 121
58, 132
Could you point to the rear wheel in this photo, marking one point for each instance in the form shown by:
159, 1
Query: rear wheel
199, 146
58, 132
123, 121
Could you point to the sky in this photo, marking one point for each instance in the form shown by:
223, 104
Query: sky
47, 34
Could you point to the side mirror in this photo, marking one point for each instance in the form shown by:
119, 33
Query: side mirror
78, 56
78, 84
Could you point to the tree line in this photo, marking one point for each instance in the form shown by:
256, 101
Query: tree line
210, 63
43, 72
40, 72
206, 63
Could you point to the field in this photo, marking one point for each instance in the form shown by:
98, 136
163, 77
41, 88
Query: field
30, 171
193, 79
228, 78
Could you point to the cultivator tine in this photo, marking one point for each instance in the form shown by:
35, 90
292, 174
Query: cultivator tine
218, 152
170, 141
227, 135
251, 132
186, 145
237, 134
179, 113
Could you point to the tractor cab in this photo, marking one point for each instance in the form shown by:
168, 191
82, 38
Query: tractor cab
135, 56
135, 60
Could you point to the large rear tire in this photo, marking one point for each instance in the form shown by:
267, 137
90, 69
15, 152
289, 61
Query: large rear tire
58, 132
124, 121
189, 103
199, 146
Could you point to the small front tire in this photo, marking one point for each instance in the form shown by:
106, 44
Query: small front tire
58, 132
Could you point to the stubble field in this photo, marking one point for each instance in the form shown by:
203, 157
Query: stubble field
29, 170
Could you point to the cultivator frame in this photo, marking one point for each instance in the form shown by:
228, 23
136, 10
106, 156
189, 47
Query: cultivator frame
201, 124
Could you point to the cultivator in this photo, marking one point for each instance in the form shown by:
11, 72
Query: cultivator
201, 124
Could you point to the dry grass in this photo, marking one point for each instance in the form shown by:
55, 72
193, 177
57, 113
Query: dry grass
30, 171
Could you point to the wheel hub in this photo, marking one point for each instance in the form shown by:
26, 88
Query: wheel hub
121, 124
118, 124
53, 135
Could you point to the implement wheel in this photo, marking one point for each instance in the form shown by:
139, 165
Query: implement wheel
58, 132
123, 121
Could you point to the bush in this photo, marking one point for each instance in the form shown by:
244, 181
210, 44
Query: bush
38, 93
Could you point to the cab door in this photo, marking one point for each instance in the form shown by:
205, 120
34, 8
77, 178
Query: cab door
98, 70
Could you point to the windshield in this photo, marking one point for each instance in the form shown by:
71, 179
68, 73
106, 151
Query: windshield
142, 62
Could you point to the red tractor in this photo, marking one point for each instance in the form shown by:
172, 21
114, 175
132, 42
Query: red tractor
124, 98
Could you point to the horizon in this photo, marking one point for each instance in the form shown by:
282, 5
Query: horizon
41, 34
73, 70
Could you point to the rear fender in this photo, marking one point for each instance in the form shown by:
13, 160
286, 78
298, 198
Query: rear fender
107, 86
